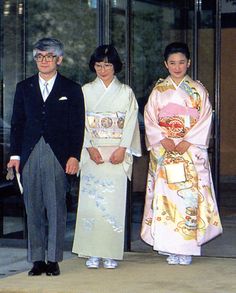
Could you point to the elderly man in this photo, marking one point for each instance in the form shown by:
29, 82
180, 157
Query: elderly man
47, 131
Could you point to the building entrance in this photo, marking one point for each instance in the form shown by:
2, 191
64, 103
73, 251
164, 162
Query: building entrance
140, 30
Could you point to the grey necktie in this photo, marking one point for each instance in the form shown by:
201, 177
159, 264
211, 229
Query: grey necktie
45, 91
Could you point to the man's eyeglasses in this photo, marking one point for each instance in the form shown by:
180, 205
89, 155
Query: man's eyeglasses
47, 58
105, 66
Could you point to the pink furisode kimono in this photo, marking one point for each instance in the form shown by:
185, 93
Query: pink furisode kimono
179, 216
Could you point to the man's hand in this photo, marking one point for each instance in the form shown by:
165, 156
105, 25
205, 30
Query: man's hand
168, 144
182, 147
118, 156
14, 164
95, 155
72, 166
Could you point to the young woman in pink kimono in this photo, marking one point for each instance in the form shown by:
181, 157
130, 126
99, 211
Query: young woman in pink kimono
180, 209
111, 140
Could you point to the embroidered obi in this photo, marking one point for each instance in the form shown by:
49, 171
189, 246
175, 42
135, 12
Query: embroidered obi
106, 125
177, 119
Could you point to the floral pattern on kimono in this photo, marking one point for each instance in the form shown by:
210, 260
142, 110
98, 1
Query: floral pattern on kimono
179, 217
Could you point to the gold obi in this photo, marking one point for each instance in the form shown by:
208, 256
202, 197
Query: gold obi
106, 125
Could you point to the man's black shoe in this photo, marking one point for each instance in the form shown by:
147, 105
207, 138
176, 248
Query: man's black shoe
38, 268
52, 269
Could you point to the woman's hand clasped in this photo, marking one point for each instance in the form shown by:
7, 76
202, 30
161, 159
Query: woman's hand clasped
118, 156
168, 144
182, 147
95, 155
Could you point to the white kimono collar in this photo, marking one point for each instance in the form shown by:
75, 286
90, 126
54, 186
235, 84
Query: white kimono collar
113, 81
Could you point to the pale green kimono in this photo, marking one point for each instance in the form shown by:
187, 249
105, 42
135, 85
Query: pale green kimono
111, 121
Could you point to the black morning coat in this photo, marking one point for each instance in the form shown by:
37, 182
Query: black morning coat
60, 119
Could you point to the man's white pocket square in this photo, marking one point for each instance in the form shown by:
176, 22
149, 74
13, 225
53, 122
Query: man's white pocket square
63, 99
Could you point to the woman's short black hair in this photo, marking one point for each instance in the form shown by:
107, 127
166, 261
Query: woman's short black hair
106, 53
176, 47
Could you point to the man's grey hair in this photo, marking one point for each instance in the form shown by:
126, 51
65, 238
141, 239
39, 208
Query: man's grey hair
49, 45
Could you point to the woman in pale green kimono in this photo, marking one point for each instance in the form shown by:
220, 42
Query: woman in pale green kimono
180, 209
111, 139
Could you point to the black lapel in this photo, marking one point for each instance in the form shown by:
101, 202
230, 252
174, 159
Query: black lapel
35, 89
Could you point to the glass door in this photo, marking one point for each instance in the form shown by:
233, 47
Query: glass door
21, 26
11, 70
140, 31
144, 28
154, 25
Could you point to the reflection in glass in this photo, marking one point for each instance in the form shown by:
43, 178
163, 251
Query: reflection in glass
78, 34
74, 23
154, 25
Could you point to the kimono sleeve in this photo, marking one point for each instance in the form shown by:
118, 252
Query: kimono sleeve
131, 136
200, 133
87, 136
